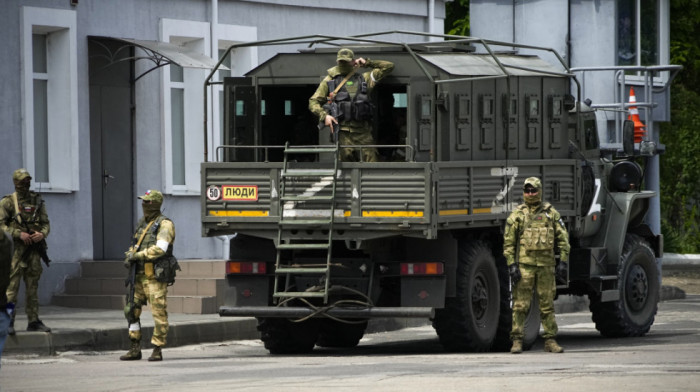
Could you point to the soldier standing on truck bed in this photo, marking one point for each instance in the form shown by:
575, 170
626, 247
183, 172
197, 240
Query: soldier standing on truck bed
528, 246
350, 91
23, 215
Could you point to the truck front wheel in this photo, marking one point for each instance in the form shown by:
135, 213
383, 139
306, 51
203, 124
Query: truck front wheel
469, 321
638, 281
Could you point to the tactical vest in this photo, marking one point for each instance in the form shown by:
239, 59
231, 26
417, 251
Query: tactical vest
538, 230
357, 108
28, 207
151, 236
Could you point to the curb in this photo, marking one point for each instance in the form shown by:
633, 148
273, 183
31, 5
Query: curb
675, 259
180, 334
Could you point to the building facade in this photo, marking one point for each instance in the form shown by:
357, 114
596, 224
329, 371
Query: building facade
608, 44
102, 100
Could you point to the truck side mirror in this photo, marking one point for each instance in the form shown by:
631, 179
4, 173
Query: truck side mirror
628, 137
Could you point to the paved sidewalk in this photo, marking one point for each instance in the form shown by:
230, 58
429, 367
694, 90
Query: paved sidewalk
74, 329
101, 330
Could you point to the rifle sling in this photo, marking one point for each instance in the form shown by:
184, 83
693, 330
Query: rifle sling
14, 200
138, 244
341, 84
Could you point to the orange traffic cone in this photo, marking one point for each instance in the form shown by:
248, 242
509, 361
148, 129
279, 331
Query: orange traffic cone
639, 130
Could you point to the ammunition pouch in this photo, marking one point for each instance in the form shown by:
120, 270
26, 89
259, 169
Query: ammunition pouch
165, 269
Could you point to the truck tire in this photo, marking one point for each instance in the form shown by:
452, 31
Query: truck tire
282, 336
338, 334
505, 319
531, 328
469, 321
638, 282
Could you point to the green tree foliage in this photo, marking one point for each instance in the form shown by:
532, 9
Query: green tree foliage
680, 172
457, 17
680, 164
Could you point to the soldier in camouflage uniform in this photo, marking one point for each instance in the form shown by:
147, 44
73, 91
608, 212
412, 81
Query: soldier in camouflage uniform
530, 235
353, 102
23, 215
156, 234
6, 308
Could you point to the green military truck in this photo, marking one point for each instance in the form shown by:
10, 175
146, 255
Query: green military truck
321, 246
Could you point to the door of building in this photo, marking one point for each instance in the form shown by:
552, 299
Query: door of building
111, 135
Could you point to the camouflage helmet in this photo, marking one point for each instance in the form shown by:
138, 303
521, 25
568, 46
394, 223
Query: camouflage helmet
153, 196
345, 54
533, 182
20, 174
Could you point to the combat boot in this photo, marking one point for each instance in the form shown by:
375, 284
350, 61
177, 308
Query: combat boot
551, 346
517, 347
157, 355
38, 326
134, 352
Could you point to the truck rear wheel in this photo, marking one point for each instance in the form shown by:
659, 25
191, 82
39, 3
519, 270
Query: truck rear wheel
338, 334
531, 329
282, 336
638, 281
469, 321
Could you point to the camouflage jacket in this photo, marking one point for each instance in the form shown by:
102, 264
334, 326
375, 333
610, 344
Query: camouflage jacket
380, 69
32, 211
5, 267
531, 235
157, 242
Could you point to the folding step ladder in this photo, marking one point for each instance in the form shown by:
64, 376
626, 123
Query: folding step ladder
320, 218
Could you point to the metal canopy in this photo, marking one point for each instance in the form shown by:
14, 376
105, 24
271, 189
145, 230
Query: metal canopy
485, 65
159, 53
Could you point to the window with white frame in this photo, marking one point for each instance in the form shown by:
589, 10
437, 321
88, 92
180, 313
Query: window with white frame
642, 32
182, 105
49, 98
183, 100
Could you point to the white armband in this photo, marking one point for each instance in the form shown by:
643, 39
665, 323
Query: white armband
163, 245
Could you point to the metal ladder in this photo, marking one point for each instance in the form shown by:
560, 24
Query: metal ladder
285, 270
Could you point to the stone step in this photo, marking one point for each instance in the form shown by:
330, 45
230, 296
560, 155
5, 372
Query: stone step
176, 303
190, 269
198, 288
113, 286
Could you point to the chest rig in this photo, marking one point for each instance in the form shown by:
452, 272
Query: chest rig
151, 236
538, 229
352, 98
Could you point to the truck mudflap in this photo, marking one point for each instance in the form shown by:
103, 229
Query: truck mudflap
344, 312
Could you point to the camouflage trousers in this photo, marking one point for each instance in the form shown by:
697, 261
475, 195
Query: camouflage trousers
357, 139
541, 279
30, 269
156, 294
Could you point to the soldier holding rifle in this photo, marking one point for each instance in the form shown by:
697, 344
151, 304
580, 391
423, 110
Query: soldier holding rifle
23, 216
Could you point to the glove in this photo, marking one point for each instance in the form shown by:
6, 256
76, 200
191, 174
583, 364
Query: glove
129, 258
561, 271
514, 272
10, 308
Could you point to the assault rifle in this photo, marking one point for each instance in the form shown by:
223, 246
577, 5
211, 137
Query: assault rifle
38, 247
130, 303
332, 108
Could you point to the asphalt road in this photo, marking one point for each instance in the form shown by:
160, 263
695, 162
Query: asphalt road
667, 359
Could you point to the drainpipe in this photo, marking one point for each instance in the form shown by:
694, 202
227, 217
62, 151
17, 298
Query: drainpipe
214, 42
431, 19
225, 245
